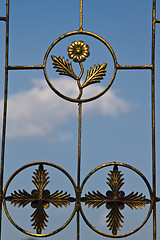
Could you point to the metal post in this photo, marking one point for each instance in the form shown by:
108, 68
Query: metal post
4, 110
153, 120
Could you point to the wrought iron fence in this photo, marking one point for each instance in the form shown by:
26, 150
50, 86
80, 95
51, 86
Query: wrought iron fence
115, 198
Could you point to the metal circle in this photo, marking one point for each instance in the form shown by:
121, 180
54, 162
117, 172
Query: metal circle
94, 36
14, 175
149, 189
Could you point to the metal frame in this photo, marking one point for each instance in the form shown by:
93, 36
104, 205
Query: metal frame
114, 199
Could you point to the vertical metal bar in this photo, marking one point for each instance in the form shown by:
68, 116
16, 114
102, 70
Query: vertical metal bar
79, 141
4, 110
79, 144
81, 14
79, 167
153, 120
78, 226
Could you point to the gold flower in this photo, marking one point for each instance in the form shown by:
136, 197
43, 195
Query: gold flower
78, 51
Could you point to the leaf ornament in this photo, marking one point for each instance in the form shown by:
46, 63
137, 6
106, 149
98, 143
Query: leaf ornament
115, 180
95, 75
20, 198
60, 199
94, 199
135, 200
40, 178
114, 220
39, 219
63, 67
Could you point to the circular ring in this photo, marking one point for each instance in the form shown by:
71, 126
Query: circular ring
14, 175
84, 33
149, 189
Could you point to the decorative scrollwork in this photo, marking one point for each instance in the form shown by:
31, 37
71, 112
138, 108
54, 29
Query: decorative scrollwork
79, 51
115, 200
40, 199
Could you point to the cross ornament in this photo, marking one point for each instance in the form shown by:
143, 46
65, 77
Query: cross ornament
115, 200
40, 199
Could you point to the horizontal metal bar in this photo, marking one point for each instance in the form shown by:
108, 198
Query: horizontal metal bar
3, 18
25, 67
134, 66
157, 21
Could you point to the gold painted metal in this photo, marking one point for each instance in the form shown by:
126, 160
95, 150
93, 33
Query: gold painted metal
153, 121
81, 15
4, 109
25, 67
3, 19
104, 199
134, 67
40, 199
79, 51
98, 70
78, 196
115, 199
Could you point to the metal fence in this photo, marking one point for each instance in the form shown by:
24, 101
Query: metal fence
115, 199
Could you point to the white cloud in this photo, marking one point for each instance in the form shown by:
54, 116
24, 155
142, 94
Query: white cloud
39, 112
102, 219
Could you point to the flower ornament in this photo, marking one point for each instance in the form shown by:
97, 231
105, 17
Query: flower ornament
78, 51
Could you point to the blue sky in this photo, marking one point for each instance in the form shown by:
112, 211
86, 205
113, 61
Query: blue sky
116, 127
